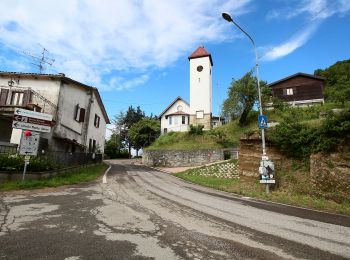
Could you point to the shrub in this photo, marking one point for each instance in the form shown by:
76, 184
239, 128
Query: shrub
36, 164
196, 130
300, 140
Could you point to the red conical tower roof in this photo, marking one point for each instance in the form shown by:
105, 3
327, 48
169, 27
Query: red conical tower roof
199, 53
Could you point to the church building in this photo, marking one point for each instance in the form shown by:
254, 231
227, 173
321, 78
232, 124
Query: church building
179, 115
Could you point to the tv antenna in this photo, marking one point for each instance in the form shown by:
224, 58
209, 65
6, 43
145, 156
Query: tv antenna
40, 60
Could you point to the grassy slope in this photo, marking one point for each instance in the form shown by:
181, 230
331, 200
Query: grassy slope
222, 137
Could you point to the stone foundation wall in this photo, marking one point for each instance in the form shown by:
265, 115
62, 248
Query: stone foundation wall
205, 121
250, 152
181, 158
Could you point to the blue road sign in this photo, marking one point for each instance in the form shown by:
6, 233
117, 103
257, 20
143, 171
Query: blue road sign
262, 122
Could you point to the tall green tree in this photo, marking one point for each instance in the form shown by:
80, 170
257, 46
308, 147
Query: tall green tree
144, 132
337, 87
124, 121
242, 95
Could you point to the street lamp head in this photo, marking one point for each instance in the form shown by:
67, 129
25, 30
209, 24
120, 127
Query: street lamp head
227, 17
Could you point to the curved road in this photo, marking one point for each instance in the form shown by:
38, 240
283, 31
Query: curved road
142, 213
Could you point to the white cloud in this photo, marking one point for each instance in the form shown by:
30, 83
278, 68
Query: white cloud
316, 11
313, 9
291, 45
91, 39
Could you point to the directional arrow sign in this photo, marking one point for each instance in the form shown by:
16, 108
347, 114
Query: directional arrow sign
31, 120
33, 127
33, 114
29, 145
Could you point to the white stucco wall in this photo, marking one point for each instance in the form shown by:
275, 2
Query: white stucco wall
65, 97
47, 88
200, 86
96, 133
176, 125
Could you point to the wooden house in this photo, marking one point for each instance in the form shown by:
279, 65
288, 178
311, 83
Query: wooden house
300, 89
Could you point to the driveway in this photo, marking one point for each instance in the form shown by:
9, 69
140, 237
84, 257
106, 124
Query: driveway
142, 213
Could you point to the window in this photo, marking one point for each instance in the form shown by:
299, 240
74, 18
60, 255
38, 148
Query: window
90, 145
97, 121
183, 120
199, 68
93, 145
79, 113
288, 91
175, 120
16, 98
170, 120
200, 114
165, 130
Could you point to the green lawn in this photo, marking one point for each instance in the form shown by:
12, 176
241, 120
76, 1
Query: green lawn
76, 176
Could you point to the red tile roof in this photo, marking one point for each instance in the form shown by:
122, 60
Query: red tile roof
199, 53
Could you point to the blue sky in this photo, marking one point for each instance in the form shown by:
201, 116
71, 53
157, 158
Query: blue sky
135, 52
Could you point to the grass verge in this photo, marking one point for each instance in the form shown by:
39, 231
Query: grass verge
250, 186
76, 176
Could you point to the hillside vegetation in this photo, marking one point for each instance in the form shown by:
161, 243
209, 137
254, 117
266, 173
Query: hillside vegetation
298, 127
222, 137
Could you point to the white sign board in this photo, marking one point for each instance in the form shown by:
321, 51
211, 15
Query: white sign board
29, 144
29, 113
267, 181
33, 127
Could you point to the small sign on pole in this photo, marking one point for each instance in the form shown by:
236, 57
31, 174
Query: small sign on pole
262, 122
29, 144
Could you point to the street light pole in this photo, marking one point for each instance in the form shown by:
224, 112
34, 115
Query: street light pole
228, 18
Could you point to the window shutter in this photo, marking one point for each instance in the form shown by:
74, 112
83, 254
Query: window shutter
76, 113
27, 97
82, 115
3, 96
284, 91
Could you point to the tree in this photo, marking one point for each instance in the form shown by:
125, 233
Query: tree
337, 87
144, 132
123, 122
242, 95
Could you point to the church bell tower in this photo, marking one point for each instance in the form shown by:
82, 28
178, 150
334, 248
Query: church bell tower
201, 65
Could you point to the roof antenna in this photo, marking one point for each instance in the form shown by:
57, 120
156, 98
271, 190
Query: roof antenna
40, 60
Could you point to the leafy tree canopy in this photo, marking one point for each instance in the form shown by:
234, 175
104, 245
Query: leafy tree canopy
337, 76
242, 95
144, 132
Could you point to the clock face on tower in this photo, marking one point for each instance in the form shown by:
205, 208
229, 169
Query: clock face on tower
199, 68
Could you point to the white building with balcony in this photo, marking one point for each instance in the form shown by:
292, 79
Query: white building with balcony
79, 116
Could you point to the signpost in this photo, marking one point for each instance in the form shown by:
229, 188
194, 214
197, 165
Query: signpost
31, 120
34, 123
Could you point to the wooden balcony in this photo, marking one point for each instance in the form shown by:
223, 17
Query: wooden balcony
26, 98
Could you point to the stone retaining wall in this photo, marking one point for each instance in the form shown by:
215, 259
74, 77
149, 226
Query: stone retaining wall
250, 152
330, 175
166, 158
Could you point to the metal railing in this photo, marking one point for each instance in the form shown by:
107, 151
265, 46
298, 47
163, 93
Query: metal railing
45, 105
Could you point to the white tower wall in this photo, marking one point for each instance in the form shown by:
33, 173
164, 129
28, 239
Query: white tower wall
200, 86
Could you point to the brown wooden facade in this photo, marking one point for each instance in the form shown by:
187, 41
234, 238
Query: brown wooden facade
299, 89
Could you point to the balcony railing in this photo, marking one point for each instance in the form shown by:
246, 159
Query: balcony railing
12, 97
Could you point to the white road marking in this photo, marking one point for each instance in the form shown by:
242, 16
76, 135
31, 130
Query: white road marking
104, 179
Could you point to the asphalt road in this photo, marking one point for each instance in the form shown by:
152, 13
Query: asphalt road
142, 213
